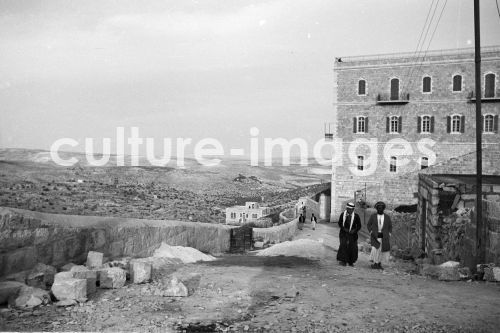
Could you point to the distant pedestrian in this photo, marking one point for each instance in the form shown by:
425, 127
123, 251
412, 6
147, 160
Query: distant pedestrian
380, 229
313, 221
304, 210
302, 220
349, 224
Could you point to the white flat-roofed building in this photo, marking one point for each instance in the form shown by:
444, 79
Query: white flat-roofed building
251, 211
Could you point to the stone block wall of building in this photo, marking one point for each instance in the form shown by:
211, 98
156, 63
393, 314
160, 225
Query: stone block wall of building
377, 71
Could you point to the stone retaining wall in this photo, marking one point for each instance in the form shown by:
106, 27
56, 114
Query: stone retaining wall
28, 238
277, 234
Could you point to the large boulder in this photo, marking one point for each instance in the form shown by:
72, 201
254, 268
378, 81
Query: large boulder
63, 276
67, 267
112, 278
69, 289
41, 276
30, 297
492, 274
140, 271
181, 285
9, 289
82, 272
175, 288
94, 259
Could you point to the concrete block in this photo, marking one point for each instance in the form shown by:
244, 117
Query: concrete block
94, 259
140, 272
69, 288
112, 278
82, 272
63, 276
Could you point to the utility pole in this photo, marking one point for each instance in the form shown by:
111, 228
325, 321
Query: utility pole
480, 235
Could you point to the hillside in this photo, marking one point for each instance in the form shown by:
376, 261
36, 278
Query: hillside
30, 180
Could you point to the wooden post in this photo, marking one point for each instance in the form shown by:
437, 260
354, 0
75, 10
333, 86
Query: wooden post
480, 226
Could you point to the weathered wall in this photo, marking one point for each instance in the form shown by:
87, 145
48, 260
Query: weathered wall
277, 234
449, 234
491, 212
27, 237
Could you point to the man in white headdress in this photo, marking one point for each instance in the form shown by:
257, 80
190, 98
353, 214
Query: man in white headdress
349, 224
380, 228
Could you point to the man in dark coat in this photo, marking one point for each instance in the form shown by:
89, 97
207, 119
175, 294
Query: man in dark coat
302, 220
380, 228
349, 224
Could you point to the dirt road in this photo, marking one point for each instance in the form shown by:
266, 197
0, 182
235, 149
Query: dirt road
249, 293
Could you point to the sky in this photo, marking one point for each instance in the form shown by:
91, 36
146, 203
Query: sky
198, 69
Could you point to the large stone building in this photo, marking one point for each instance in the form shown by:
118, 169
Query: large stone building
428, 101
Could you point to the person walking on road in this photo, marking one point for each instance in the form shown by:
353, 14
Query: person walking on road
313, 221
380, 229
302, 220
349, 224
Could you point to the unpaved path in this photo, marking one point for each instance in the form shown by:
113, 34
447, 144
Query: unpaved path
264, 294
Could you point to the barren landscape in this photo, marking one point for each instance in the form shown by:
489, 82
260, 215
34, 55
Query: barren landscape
30, 180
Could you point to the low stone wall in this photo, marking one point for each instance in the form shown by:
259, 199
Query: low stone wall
277, 234
28, 237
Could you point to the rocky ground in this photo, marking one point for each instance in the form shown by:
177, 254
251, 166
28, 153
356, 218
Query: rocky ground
247, 293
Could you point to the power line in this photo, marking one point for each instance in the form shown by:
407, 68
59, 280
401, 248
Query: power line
419, 39
430, 40
498, 9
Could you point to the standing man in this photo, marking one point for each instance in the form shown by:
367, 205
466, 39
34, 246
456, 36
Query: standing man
380, 229
313, 221
349, 224
302, 220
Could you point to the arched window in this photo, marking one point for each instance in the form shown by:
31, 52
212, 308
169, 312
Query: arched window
394, 124
455, 124
426, 84
488, 123
489, 85
362, 87
392, 166
424, 162
394, 89
457, 83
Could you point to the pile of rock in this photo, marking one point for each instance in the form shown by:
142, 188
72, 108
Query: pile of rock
448, 271
488, 272
75, 283
453, 271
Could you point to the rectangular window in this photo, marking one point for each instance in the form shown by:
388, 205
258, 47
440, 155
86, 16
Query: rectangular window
426, 84
426, 124
361, 162
394, 124
457, 83
361, 124
424, 163
254, 216
362, 87
392, 166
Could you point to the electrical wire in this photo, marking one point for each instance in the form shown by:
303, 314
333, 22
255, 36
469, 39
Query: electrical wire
498, 9
430, 41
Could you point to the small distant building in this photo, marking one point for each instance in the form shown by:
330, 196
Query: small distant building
251, 211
